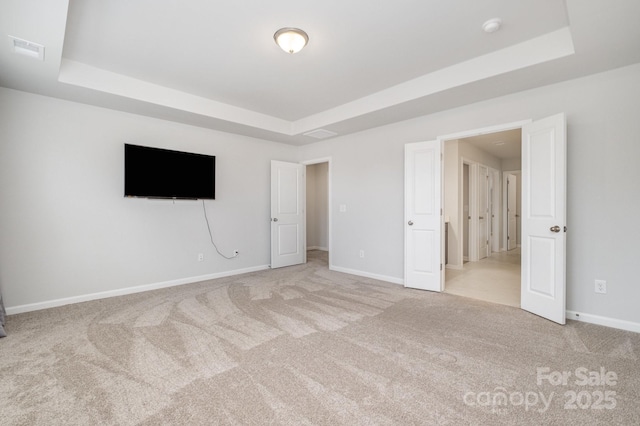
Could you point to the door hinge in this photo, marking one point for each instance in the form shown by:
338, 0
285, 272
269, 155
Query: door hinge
440, 212
565, 229
441, 266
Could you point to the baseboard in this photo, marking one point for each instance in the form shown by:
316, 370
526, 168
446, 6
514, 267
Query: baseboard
318, 248
388, 279
12, 310
606, 321
456, 267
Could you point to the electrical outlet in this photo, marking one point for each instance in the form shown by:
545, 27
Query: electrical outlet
200, 257
361, 254
601, 286
236, 252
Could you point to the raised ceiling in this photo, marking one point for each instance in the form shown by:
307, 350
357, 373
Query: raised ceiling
215, 64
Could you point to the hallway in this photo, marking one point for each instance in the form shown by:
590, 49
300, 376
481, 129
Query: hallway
494, 279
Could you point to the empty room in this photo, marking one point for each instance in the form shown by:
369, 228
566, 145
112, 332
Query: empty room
321, 213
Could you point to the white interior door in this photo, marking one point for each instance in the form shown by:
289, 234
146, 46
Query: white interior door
544, 218
288, 232
483, 212
512, 221
423, 216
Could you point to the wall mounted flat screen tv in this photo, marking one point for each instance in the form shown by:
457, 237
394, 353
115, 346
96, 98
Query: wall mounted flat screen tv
162, 173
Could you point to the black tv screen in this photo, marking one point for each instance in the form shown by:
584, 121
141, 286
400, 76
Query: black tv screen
162, 173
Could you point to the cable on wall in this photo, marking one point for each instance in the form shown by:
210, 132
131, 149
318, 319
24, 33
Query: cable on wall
204, 210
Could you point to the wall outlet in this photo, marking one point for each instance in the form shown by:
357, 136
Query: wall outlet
200, 257
361, 254
601, 286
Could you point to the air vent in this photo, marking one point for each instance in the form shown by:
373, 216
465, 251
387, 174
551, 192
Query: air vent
28, 48
320, 134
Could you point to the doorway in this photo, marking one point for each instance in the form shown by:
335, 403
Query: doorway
543, 259
318, 211
473, 167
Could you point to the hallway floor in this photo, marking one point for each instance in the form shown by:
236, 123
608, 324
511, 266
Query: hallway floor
495, 279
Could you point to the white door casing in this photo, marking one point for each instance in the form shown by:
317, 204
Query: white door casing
512, 228
544, 218
423, 220
288, 233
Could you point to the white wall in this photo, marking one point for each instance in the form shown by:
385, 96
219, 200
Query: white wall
66, 229
603, 149
470, 152
452, 200
511, 164
317, 206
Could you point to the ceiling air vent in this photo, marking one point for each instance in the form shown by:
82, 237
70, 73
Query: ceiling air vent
28, 48
320, 134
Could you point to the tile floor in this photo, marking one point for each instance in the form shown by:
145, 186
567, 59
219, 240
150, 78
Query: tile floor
494, 279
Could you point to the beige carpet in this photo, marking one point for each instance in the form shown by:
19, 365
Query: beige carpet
303, 345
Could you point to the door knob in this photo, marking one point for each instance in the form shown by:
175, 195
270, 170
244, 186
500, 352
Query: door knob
554, 229
275, 219
481, 217
410, 223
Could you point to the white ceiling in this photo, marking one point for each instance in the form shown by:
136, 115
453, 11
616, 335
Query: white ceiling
503, 145
368, 63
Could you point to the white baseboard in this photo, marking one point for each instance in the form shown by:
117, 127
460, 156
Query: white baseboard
11, 310
388, 279
606, 321
318, 248
457, 267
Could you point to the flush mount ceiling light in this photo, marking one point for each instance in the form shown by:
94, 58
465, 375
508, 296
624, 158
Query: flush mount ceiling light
492, 25
291, 40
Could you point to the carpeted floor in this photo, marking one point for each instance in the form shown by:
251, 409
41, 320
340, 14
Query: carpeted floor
304, 345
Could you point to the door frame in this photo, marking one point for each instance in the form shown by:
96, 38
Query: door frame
505, 224
329, 203
472, 213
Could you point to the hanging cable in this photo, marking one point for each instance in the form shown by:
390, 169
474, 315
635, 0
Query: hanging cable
204, 210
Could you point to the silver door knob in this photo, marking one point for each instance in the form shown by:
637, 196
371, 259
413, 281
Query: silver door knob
554, 229
410, 223
275, 219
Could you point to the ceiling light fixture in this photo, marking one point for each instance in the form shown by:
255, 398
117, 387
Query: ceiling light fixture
291, 40
492, 25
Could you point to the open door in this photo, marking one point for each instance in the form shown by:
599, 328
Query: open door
423, 216
544, 218
288, 232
